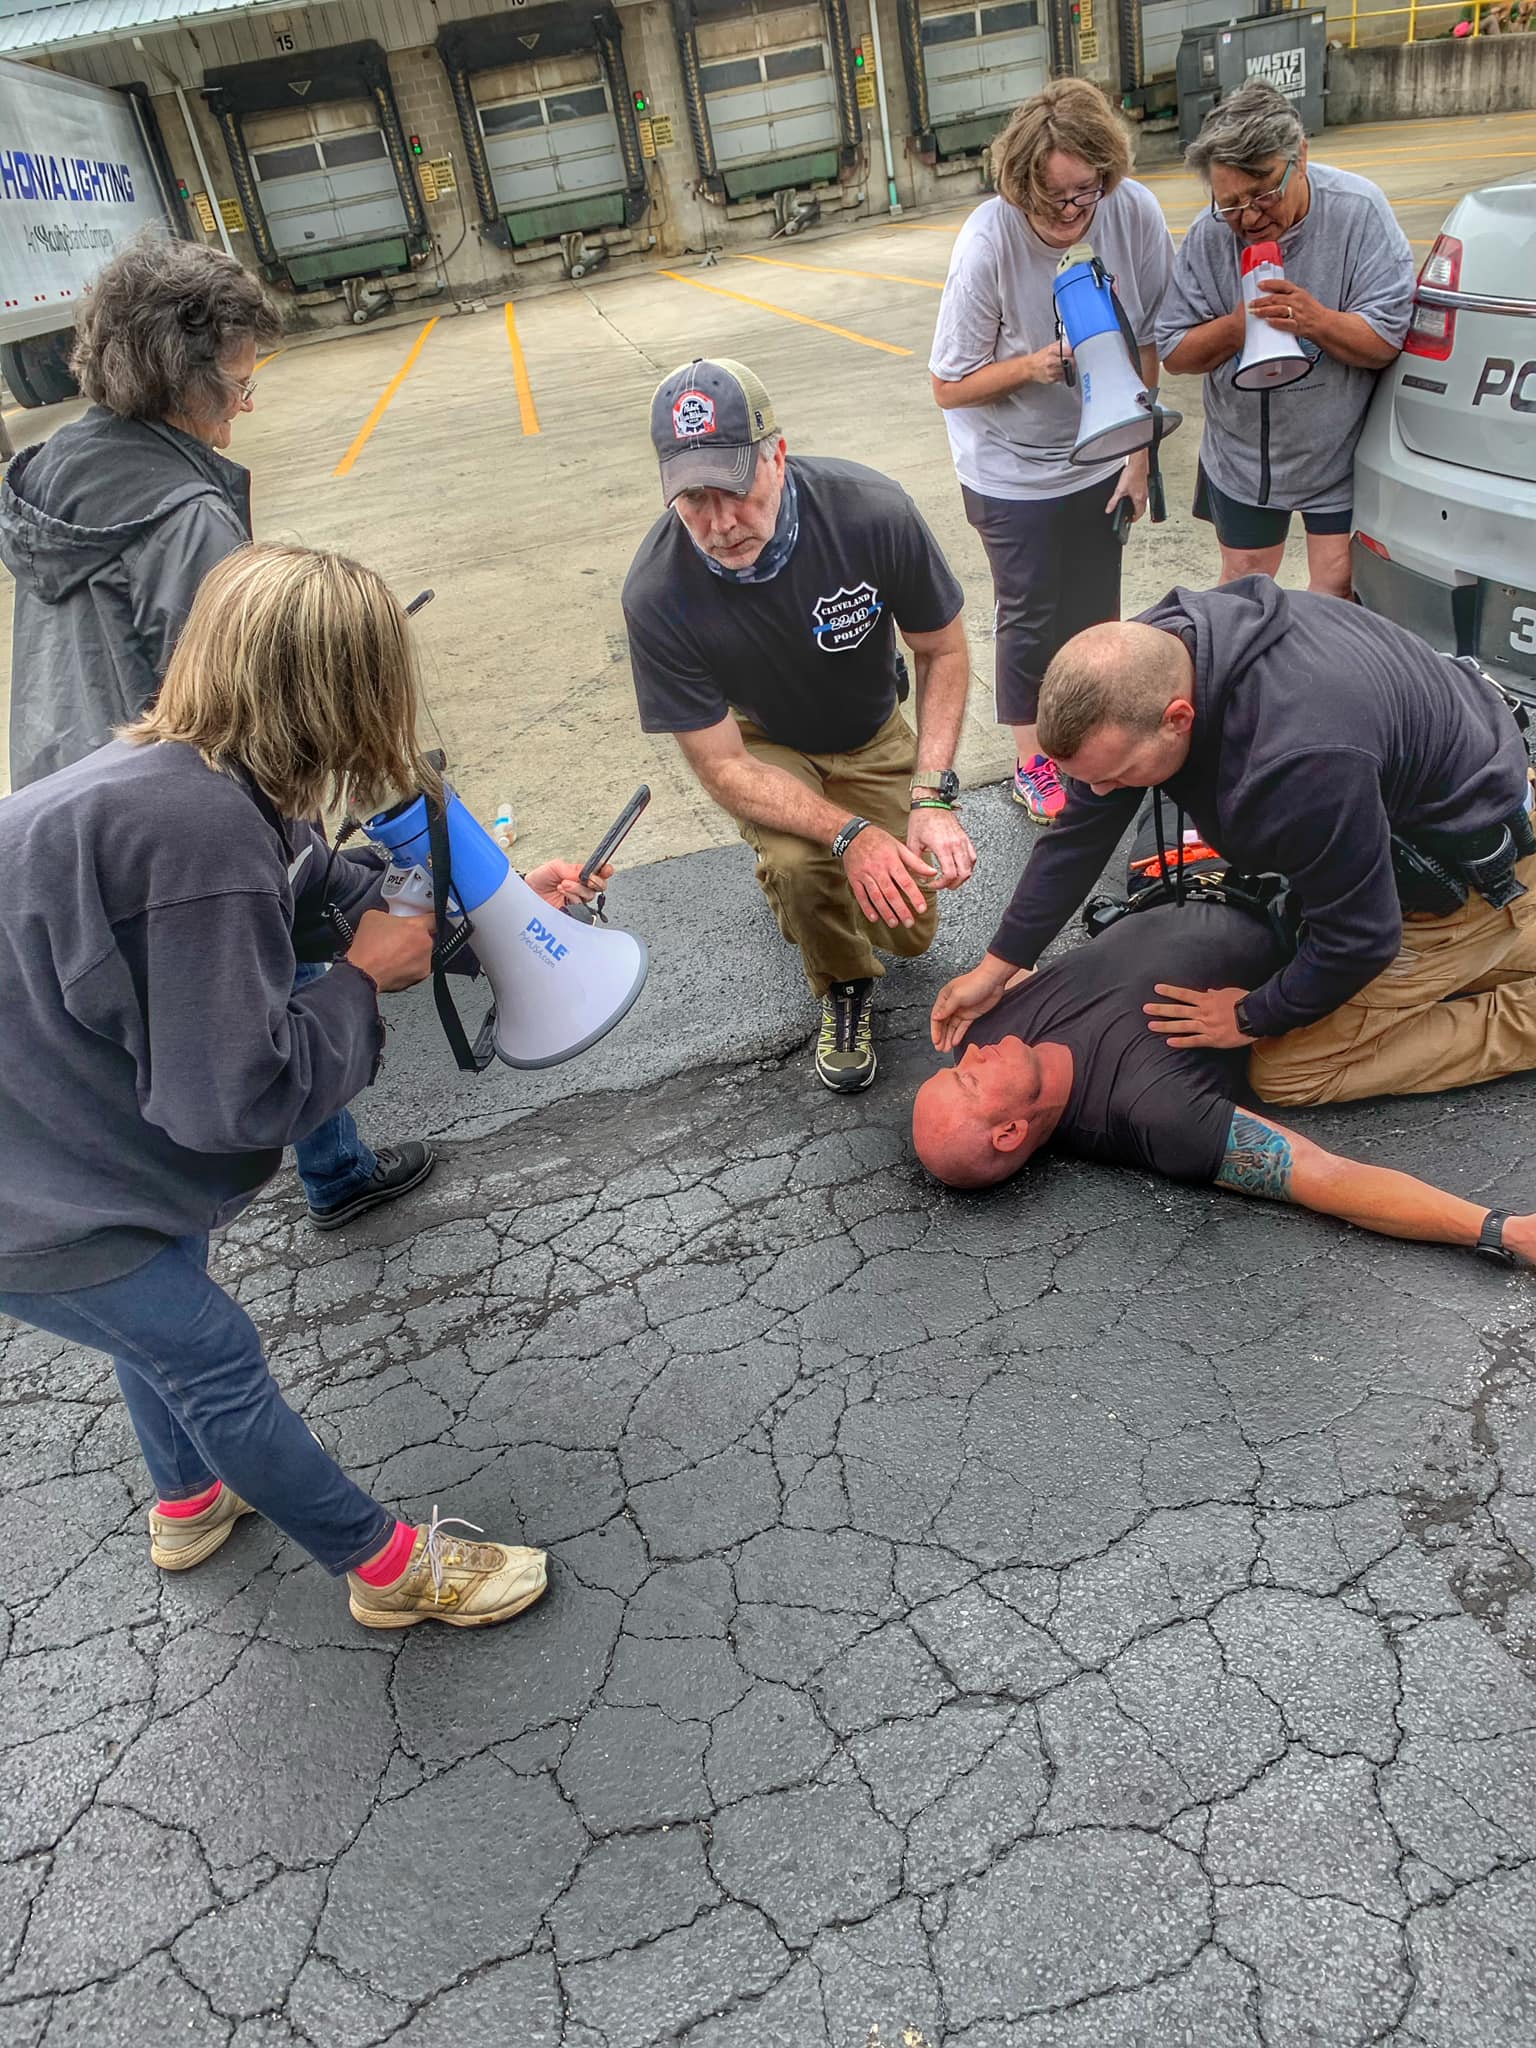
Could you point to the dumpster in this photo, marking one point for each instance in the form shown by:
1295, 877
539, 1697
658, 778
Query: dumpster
1288, 51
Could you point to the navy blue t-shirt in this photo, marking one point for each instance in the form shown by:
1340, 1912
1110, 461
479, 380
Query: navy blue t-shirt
809, 656
1136, 1101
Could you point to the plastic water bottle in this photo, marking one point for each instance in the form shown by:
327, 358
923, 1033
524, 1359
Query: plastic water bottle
504, 825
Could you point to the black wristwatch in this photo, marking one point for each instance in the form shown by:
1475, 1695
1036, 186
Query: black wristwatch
932, 785
1490, 1243
847, 836
1240, 1017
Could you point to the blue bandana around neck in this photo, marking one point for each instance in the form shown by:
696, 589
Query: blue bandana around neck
777, 551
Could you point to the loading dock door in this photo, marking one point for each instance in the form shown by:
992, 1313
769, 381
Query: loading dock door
774, 103
981, 63
1163, 23
553, 149
325, 179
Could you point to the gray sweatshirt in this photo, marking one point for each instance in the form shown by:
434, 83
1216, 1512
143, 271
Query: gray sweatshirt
157, 1055
108, 529
1295, 447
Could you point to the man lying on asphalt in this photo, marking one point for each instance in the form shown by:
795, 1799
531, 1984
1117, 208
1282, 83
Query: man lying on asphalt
1304, 737
1066, 1055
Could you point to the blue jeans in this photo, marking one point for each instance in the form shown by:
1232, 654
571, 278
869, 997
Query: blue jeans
333, 1161
204, 1405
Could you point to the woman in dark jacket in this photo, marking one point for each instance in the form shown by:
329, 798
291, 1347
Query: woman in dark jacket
110, 527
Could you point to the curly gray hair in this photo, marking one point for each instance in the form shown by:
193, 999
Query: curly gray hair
1246, 131
162, 319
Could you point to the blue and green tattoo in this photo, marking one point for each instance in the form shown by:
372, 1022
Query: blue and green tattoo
1258, 1160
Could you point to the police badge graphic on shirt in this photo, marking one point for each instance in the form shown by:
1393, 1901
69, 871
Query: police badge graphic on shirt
846, 619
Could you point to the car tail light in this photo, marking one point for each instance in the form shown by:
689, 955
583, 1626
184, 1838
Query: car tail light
1375, 546
1432, 329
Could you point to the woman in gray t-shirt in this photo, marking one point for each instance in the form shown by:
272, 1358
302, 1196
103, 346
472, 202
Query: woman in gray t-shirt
1063, 175
1346, 298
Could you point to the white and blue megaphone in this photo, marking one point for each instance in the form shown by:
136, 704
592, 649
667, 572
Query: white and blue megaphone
559, 985
1119, 413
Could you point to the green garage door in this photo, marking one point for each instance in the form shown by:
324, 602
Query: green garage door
981, 63
552, 146
1163, 23
325, 178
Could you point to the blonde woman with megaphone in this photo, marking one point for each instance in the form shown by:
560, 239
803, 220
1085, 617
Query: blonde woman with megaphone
159, 1056
1000, 375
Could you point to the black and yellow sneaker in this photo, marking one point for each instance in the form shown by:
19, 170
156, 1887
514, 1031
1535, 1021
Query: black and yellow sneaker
845, 1054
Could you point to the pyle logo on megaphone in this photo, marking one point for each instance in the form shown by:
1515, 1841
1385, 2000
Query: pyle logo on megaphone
545, 943
1271, 356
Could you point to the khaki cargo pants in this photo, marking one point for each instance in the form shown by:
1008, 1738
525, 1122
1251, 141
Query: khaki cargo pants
1457, 1005
804, 882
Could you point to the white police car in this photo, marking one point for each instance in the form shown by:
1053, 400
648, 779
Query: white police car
1445, 473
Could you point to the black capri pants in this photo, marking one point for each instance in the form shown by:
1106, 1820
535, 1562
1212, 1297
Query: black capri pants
1055, 569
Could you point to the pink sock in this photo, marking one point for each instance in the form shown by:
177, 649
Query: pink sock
179, 1510
392, 1561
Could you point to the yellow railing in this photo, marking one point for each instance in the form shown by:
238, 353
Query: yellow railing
1429, 16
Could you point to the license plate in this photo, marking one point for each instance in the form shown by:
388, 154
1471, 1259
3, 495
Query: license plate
1506, 627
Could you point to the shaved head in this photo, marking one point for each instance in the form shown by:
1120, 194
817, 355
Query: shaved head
981, 1120
955, 1147
1122, 674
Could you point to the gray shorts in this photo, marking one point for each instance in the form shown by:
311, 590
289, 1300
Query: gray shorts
1055, 569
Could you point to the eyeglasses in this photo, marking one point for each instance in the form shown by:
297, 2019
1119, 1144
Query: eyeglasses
244, 391
1257, 202
1074, 202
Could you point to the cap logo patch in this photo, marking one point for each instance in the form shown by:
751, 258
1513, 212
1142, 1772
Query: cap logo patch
694, 413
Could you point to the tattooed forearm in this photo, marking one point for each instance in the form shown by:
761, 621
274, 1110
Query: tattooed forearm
1258, 1160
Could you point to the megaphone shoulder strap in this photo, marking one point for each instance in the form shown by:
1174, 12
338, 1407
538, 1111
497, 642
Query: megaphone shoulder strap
1157, 501
470, 1059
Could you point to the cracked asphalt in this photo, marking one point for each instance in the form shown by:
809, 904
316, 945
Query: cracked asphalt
1095, 1616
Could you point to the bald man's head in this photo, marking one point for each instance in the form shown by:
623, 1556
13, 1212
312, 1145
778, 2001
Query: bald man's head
1117, 706
981, 1120
1122, 673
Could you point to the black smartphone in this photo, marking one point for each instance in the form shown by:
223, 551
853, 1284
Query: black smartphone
1120, 519
617, 832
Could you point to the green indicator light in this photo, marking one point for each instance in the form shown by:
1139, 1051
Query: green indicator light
642, 104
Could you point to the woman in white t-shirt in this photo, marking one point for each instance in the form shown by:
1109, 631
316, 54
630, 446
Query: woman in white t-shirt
1063, 176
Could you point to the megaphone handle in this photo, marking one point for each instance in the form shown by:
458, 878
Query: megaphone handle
407, 892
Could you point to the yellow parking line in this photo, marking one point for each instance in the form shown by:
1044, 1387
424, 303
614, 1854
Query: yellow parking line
382, 407
267, 359
921, 227
804, 319
525, 404
827, 270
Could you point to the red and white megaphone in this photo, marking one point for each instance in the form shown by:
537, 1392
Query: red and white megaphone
1271, 355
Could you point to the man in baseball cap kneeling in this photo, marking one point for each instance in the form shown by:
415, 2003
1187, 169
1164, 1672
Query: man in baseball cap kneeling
762, 611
